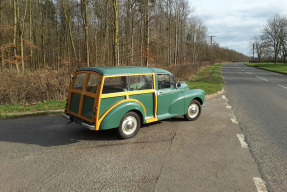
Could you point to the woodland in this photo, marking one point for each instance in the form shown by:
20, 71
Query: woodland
41, 39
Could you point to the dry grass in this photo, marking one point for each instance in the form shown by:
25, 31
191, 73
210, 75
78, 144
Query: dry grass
41, 85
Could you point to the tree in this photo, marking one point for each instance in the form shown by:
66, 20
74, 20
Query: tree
274, 32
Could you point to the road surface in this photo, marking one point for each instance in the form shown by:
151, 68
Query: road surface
259, 101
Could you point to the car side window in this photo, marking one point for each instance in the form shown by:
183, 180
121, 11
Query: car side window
115, 84
140, 82
163, 81
173, 81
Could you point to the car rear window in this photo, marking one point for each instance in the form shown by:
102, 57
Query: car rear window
79, 81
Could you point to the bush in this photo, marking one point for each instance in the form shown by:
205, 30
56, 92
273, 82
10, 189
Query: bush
40, 85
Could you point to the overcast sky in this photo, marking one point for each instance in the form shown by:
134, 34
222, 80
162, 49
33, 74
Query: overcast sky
235, 23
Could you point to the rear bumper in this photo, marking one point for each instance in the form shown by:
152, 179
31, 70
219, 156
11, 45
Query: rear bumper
85, 125
66, 116
88, 126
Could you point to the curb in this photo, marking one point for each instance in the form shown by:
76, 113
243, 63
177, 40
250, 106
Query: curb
211, 96
31, 113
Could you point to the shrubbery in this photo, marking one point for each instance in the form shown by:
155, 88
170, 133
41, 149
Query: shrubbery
40, 85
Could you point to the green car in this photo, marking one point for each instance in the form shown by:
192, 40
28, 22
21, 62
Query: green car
103, 98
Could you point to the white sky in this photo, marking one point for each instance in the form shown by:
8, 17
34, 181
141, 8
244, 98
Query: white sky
235, 22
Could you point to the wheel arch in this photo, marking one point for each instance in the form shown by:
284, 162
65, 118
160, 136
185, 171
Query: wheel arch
118, 111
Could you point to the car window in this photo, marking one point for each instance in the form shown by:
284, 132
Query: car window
79, 81
115, 84
140, 82
163, 81
92, 83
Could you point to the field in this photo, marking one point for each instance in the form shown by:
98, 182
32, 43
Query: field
276, 67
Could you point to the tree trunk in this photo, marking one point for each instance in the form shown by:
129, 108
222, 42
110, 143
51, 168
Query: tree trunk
116, 34
86, 29
15, 5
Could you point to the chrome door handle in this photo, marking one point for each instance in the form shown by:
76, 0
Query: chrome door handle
160, 93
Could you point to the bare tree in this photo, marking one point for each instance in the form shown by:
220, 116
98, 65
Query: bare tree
274, 33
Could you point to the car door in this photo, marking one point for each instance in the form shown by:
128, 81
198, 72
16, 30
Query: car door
170, 100
83, 94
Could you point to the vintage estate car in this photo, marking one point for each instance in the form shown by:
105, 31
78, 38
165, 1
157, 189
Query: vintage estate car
103, 98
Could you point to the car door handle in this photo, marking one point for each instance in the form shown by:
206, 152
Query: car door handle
160, 93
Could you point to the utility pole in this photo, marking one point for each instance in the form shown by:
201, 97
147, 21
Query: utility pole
253, 53
211, 47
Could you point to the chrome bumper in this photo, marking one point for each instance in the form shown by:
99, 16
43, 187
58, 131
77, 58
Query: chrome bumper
66, 116
85, 125
90, 127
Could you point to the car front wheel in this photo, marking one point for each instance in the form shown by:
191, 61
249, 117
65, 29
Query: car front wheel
193, 111
129, 126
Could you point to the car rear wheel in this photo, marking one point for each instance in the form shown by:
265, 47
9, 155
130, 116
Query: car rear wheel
129, 126
193, 111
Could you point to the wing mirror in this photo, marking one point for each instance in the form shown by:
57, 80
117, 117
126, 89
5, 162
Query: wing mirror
178, 85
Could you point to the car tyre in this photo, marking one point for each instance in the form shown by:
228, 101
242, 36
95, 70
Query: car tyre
129, 126
193, 111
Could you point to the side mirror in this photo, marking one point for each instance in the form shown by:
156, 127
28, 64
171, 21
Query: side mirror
178, 85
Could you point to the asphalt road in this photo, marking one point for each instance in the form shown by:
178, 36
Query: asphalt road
259, 101
43, 153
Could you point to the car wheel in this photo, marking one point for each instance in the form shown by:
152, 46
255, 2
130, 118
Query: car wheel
193, 111
129, 126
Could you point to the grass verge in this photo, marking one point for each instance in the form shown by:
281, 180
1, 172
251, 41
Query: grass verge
276, 67
208, 79
52, 105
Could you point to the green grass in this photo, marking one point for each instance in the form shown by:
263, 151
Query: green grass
208, 79
276, 67
38, 106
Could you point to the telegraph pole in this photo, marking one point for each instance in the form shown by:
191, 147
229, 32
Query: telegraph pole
211, 47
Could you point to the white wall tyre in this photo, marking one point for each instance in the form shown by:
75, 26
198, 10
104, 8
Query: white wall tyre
193, 111
129, 126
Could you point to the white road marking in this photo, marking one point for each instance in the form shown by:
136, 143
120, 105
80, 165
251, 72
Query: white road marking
228, 106
233, 119
223, 97
242, 140
282, 86
249, 73
262, 78
260, 184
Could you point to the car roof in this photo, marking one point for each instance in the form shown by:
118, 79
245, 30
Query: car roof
123, 70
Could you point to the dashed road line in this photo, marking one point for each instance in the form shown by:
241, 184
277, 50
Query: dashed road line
260, 184
233, 119
249, 73
242, 140
228, 106
282, 86
224, 97
262, 78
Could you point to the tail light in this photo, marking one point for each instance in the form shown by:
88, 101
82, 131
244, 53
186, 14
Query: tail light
94, 120
66, 106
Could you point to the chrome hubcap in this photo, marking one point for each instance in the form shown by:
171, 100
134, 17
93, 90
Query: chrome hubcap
193, 110
129, 125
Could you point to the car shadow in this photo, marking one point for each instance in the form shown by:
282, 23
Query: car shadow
49, 131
